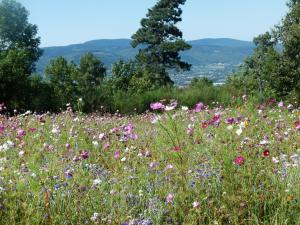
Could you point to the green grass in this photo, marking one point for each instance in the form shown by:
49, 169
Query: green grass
128, 182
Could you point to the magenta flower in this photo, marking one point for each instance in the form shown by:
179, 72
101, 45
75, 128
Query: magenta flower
21, 133
117, 154
1, 129
297, 125
239, 160
106, 145
84, 154
157, 106
68, 146
280, 104
128, 129
230, 120
76, 158
199, 107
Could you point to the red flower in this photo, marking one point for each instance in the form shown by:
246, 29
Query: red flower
266, 153
204, 125
239, 160
176, 148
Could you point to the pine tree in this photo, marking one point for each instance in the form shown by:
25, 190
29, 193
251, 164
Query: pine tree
161, 41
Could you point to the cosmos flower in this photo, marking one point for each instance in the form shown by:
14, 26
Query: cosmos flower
84, 154
239, 131
117, 154
204, 125
196, 204
239, 160
170, 198
199, 107
297, 125
21, 133
266, 153
280, 104
156, 106
106, 145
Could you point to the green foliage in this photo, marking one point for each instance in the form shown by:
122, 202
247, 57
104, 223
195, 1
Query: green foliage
161, 40
274, 67
71, 82
18, 53
61, 75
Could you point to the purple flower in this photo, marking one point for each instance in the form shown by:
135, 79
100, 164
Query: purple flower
170, 198
230, 120
199, 107
106, 145
21, 133
84, 154
156, 106
117, 154
280, 104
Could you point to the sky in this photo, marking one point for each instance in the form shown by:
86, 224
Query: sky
64, 22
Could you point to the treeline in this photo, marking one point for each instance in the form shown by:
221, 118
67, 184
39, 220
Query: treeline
272, 71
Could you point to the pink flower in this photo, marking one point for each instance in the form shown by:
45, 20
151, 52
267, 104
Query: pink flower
280, 104
239, 160
199, 107
21, 133
1, 129
68, 146
297, 125
117, 154
176, 148
170, 198
157, 106
190, 131
106, 145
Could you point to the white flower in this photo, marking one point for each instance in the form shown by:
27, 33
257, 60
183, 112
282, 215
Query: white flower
155, 119
95, 143
239, 131
140, 193
21, 154
55, 130
275, 160
101, 136
95, 217
184, 108
264, 142
123, 159
169, 108
196, 204
96, 182
230, 127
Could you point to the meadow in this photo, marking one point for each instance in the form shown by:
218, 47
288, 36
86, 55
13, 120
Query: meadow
170, 165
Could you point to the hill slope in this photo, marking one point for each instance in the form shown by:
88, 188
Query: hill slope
214, 58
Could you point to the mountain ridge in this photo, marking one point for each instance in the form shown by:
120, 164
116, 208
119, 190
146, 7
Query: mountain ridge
206, 55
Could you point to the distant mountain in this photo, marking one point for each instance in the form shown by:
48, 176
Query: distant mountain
224, 42
214, 58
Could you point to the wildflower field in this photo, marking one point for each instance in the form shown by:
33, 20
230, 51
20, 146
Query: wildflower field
171, 165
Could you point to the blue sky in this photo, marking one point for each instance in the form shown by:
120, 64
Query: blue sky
63, 22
